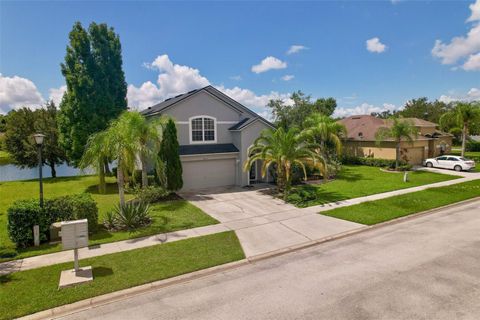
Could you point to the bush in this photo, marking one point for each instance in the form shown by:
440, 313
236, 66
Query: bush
151, 194
74, 207
22, 216
473, 145
131, 215
300, 196
371, 162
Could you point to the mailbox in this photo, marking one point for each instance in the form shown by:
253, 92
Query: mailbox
74, 234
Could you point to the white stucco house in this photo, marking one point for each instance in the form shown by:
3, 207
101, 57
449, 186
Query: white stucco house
214, 132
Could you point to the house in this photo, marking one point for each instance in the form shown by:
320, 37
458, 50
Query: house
361, 140
214, 132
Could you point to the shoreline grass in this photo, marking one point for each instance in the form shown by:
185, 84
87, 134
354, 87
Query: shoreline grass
377, 211
30, 291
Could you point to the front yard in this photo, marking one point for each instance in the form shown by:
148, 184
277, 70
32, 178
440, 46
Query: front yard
359, 181
167, 216
21, 293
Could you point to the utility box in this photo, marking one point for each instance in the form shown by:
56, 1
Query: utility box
74, 234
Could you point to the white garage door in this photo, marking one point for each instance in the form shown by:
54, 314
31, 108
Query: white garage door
208, 173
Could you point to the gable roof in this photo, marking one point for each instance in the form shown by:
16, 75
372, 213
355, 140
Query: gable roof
162, 106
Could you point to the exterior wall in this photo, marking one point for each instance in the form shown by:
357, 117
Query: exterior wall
411, 152
203, 104
442, 145
426, 130
248, 136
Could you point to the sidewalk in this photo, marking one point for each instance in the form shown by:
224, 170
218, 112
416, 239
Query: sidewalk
267, 226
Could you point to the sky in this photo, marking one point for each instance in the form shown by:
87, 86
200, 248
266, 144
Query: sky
371, 56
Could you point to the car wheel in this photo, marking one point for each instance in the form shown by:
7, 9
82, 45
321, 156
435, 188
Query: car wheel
429, 164
458, 168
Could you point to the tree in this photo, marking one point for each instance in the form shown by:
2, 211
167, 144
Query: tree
96, 87
284, 149
96, 152
398, 129
169, 155
423, 109
294, 115
325, 132
21, 125
463, 116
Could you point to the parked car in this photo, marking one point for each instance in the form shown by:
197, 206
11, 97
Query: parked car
456, 163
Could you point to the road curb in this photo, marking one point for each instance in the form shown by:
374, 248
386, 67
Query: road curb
145, 288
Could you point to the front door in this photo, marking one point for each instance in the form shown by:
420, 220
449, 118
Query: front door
253, 172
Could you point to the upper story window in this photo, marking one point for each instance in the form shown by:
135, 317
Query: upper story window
202, 129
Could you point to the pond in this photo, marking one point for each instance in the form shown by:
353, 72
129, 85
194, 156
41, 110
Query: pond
11, 172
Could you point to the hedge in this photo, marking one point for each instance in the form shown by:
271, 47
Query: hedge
24, 214
371, 162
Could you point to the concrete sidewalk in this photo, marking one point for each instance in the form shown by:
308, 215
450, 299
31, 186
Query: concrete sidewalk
262, 223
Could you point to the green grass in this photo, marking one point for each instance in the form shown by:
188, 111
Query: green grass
34, 290
167, 216
467, 153
5, 158
377, 211
359, 181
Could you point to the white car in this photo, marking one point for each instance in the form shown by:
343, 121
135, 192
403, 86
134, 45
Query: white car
456, 163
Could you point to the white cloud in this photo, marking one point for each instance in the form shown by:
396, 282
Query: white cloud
250, 99
364, 108
269, 63
475, 8
472, 95
295, 49
16, 92
173, 79
56, 94
374, 45
472, 63
288, 77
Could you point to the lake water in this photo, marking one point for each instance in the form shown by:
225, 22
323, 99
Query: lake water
11, 172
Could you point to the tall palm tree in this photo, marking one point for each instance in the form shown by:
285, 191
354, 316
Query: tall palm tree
463, 115
147, 133
95, 155
326, 132
398, 129
284, 149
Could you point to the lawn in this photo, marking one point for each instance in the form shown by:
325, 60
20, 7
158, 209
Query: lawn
473, 154
359, 181
167, 216
374, 212
34, 290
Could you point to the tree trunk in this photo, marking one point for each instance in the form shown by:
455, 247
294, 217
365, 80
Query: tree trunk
464, 139
102, 187
52, 169
120, 182
144, 171
106, 168
397, 155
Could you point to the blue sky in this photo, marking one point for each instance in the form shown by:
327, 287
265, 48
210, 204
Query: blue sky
169, 47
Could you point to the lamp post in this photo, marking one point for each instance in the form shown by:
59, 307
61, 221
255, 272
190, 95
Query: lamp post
39, 141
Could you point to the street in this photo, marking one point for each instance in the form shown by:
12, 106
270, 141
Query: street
424, 268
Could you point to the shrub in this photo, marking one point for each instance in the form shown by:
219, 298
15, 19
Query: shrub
371, 162
131, 215
473, 145
151, 194
301, 196
22, 216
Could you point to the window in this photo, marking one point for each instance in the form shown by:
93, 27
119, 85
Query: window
202, 129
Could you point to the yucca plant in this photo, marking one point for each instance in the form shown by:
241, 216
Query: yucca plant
129, 216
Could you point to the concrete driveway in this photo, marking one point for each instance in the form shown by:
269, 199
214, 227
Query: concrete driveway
262, 222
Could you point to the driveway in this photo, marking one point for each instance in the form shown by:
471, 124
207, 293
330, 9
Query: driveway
424, 268
262, 222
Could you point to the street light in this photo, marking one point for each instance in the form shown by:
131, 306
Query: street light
39, 141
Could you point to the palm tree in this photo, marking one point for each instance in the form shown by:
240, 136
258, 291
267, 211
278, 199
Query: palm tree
95, 155
463, 115
398, 129
284, 149
147, 134
326, 132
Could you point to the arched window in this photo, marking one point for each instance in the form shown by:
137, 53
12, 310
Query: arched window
202, 129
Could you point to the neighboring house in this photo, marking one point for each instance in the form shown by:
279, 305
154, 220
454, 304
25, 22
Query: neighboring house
361, 140
214, 132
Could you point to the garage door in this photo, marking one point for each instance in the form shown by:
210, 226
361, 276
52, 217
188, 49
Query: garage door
208, 173
415, 155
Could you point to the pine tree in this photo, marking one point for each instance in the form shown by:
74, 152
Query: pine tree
170, 157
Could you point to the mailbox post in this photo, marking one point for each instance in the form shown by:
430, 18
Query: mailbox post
75, 236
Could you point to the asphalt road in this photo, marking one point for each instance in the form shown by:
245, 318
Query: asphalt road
424, 268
